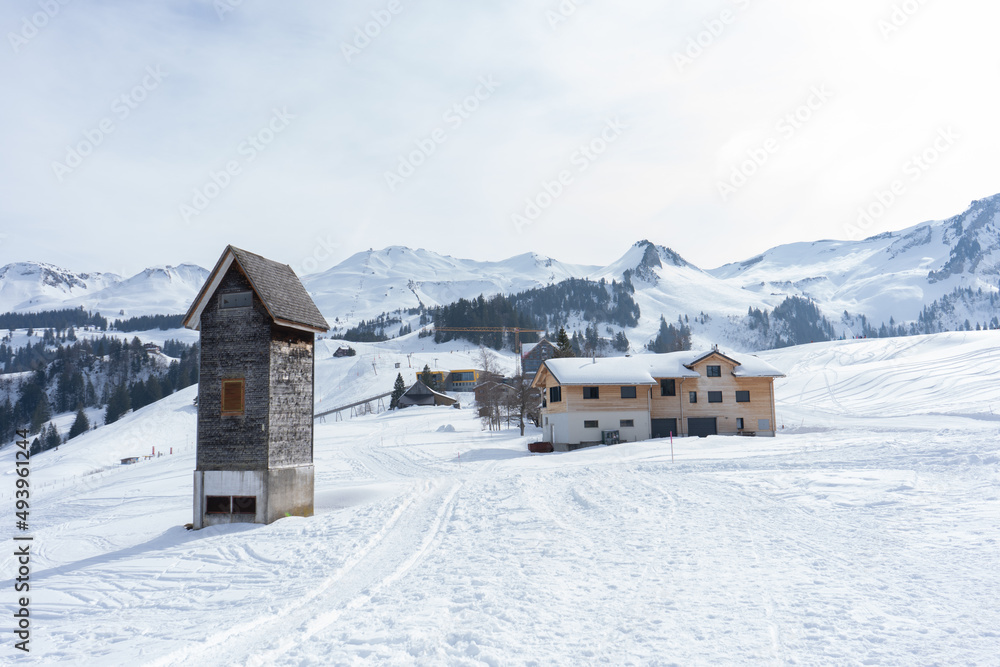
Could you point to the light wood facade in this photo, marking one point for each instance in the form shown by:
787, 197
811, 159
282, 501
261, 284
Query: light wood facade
729, 399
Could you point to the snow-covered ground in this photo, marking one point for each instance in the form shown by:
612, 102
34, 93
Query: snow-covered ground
865, 533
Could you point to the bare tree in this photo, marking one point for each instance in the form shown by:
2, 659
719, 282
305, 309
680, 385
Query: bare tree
523, 401
490, 392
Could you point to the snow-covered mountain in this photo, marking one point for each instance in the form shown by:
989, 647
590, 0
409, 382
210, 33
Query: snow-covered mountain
376, 281
892, 274
949, 268
35, 286
40, 286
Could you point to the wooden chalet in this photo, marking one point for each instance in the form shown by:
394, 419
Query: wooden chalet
590, 401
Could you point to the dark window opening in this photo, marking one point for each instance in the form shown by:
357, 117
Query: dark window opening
626, 423
555, 394
739, 423
232, 397
244, 504
692, 396
590, 423
715, 397
628, 392
668, 388
743, 397
591, 392
217, 505
236, 300
714, 371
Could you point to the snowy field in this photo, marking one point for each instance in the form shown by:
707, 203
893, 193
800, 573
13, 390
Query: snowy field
865, 533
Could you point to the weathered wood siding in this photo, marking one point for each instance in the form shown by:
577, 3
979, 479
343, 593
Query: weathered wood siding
235, 343
291, 402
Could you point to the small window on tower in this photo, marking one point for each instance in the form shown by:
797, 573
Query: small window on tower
236, 300
244, 504
217, 505
232, 397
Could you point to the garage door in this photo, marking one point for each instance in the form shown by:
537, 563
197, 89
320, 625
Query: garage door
702, 426
662, 428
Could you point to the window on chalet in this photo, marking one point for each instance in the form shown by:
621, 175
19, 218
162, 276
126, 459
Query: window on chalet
591, 392
626, 423
692, 397
590, 423
715, 397
628, 392
714, 371
743, 397
232, 397
668, 387
739, 423
555, 394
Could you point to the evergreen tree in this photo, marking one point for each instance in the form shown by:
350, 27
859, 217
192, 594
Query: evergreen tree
41, 415
427, 378
563, 345
118, 404
397, 390
52, 439
80, 425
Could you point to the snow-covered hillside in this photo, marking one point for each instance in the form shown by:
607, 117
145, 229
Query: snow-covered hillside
865, 533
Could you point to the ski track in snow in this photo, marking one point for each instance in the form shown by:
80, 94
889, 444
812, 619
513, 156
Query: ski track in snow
851, 538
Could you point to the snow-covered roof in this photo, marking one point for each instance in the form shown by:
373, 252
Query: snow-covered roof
645, 369
753, 366
527, 347
602, 370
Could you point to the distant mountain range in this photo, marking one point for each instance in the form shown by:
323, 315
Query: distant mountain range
951, 267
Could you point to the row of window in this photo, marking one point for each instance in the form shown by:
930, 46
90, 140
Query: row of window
622, 423
591, 393
630, 423
230, 504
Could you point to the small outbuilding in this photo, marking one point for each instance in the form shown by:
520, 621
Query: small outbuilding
255, 392
421, 394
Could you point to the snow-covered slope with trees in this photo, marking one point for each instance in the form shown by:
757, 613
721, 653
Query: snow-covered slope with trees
864, 533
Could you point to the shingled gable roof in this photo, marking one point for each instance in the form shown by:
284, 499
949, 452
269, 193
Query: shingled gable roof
277, 286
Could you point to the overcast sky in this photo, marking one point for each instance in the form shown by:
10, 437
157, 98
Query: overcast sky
139, 134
